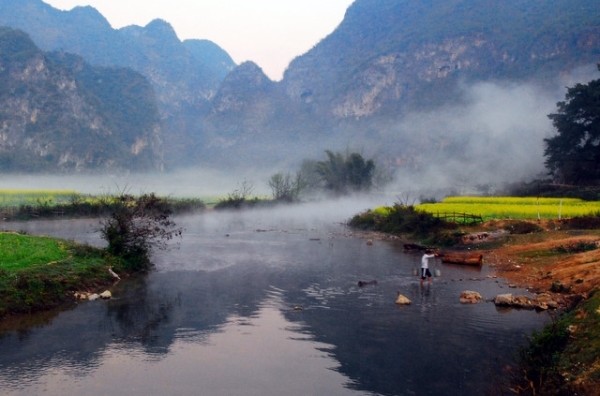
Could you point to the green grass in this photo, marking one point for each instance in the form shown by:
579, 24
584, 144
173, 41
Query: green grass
567, 350
527, 208
21, 251
38, 273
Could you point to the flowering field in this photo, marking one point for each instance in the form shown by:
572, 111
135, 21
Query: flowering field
513, 207
16, 197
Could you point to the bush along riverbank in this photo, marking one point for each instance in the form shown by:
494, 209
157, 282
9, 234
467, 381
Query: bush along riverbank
560, 257
40, 273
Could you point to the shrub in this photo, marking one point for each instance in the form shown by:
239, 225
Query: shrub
136, 226
238, 198
541, 358
400, 219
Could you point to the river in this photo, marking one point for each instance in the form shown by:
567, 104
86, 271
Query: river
267, 302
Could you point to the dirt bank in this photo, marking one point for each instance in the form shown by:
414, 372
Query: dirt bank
566, 264
563, 262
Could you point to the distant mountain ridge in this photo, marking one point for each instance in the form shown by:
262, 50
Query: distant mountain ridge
359, 87
185, 75
388, 55
59, 114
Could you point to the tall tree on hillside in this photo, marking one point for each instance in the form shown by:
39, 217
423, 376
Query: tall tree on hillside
573, 155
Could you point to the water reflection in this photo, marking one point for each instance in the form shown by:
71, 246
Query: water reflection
257, 307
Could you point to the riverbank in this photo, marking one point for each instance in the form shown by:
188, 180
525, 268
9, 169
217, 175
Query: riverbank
564, 358
41, 273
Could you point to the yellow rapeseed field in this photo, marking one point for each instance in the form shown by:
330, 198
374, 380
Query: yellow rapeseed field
513, 207
16, 197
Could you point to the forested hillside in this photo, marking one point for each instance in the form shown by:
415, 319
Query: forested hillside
57, 113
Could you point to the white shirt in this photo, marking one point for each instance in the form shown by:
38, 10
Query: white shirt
425, 260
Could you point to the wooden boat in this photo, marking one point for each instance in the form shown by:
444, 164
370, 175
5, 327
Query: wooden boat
465, 258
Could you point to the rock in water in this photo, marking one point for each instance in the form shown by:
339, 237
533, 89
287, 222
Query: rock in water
106, 295
402, 300
504, 300
470, 297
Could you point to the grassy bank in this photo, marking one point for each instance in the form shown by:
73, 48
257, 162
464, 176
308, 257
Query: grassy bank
38, 273
564, 357
31, 204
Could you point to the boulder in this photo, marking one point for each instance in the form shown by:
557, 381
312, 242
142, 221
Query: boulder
402, 300
546, 301
504, 300
106, 295
523, 302
470, 297
541, 302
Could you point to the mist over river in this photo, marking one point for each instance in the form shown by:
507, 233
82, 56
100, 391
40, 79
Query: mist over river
266, 302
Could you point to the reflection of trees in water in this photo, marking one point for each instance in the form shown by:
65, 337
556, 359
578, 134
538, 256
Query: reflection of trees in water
139, 316
148, 311
151, 311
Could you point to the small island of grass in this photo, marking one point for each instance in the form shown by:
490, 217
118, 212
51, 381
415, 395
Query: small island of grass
38, 273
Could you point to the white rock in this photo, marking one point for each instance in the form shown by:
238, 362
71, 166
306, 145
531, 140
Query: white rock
402, 300
106, 295
504, 299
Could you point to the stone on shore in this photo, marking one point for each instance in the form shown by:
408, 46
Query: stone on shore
541, 302
92, 296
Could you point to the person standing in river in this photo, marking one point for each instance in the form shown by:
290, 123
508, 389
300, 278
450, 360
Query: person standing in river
425, 273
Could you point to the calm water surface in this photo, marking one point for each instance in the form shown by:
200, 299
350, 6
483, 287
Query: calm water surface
267, 303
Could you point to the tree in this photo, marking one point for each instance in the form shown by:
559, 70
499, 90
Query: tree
346, 173
137, 226
573, 155
286, 187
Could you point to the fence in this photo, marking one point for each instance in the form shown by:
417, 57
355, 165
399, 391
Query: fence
462, 218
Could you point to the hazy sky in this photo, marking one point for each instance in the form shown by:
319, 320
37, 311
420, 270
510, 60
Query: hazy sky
269, 32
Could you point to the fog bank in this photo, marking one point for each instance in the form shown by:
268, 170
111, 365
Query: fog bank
493, 137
